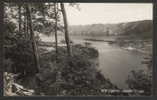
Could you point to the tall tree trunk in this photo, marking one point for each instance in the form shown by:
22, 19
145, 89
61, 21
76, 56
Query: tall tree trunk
20, 20
25, 24
32, 38
66, 29
56, 18
27, 27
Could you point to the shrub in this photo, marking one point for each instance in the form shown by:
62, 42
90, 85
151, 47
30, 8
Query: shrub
140, 80
75, 75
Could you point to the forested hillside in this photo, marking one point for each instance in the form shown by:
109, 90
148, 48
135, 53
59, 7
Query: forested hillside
138, 29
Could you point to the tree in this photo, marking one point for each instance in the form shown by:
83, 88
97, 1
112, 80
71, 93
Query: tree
56, 18
25, 24
20, 20
66, 29
32, 37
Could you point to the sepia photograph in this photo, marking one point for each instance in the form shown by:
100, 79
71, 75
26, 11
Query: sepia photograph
78, 49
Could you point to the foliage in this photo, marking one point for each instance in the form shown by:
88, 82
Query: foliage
141, 81
139, 29
21, 55
76, 75
17, 49
18, 46
66, 75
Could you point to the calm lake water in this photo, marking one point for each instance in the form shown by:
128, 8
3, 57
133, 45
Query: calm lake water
115, 63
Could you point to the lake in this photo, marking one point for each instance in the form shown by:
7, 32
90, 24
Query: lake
115, 63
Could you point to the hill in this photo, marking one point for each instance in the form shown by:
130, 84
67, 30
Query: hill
141, 29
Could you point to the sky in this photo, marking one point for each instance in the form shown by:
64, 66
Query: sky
105, 13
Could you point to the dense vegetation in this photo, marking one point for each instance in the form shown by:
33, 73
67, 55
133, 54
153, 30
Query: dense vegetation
142, 79
138, 29
69, 70
75, 76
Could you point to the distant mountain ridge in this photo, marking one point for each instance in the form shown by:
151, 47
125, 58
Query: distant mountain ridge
142, 28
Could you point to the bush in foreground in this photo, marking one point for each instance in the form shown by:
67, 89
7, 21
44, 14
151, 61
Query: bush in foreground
75, 75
